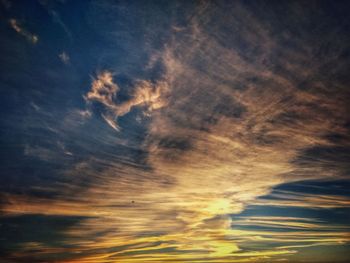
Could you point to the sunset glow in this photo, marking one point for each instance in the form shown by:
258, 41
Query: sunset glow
175, 131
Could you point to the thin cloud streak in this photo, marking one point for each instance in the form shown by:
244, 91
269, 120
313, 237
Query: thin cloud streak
22, 31
311, 201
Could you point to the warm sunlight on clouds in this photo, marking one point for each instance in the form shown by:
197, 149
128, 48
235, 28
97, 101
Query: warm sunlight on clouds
177, 146
104, 90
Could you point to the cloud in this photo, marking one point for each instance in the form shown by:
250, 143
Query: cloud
64, 57
311, 201
56, 17
229, 134
146, 94
286, 223
22, 31
229, 117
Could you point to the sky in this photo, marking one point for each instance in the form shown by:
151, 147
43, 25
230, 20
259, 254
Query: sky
174, 131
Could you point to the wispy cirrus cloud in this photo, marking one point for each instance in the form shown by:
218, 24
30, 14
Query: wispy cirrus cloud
64, 57
22, 31
146, 94
311, 201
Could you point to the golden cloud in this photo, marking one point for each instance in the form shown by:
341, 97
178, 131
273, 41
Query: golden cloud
227, 134
104, 91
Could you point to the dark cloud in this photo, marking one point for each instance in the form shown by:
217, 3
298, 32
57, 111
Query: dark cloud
27, 237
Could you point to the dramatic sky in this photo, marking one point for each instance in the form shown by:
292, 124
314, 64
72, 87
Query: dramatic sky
174, 131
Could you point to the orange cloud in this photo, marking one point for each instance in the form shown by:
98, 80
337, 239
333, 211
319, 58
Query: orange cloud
104, 91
